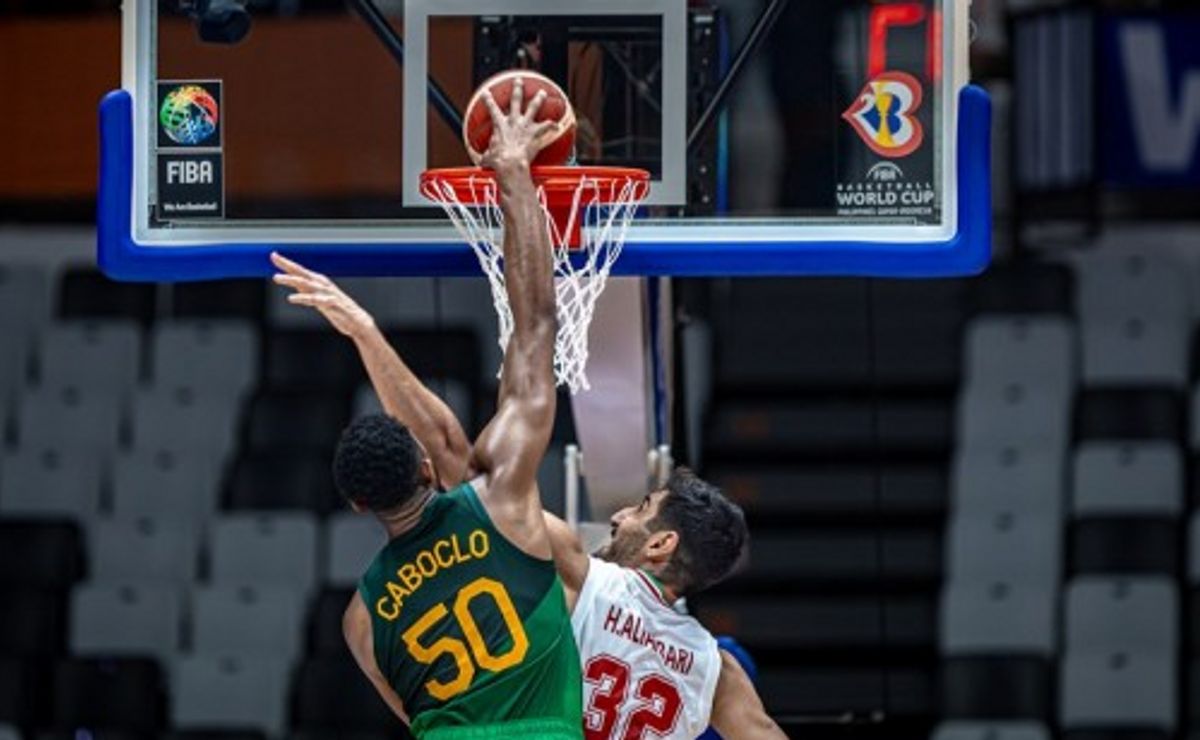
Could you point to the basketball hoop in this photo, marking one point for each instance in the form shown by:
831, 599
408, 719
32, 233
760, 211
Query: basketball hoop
588, 212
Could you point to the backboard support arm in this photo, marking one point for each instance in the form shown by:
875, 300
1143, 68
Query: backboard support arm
377, 22
762, 27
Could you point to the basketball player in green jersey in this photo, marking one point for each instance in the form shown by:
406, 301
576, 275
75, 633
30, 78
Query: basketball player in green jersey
461, 622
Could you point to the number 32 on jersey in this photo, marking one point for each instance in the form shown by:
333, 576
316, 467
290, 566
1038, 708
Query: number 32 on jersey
655, 708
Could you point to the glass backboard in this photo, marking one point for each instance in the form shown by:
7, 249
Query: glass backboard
803, 137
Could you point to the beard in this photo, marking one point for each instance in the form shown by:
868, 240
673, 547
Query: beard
623, 549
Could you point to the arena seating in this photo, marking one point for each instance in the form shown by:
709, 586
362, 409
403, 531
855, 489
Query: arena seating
972, 501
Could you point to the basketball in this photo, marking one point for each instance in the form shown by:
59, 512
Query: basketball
477, 123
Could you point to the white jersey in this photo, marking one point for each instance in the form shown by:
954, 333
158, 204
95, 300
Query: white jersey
648, 671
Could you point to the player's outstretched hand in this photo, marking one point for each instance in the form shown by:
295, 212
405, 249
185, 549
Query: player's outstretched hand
517, 136
317, 291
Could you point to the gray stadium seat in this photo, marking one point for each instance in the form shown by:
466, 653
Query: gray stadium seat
1026, 479
456, 395
1014, 415
125, 619
71, 418
1136, 351
352, 541
164, 484
24, 311
981, 618
278, 549
51, 481
183, 418
1117, 689
1005, 546
1036, 352
1137, 615
7, 732
24, 296
991, 731
467, 302
214, 692
218, 355
262, 621
552, 479
400, 302
92, 355
143, 551
394, 302
1117, 284
1137, 478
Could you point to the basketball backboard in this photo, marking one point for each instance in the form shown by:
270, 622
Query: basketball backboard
848, 140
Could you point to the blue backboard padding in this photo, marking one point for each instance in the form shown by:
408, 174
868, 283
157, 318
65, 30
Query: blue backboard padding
968, 252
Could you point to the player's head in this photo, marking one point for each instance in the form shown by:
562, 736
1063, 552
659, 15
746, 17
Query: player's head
379, 466
687, 533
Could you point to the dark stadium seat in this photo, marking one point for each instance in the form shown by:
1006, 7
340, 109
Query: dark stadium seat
325, 623
1125, 545
308, 422
1192, 697
108, 693
1008, 687
770, 492
92, 734
829, 555
32, 622
214, 735
22, 691
786, 431
771, 622
1027, 288
281, 481
226, 299
1126, 413
331, 694
311, 360
43, 554
833, 691
403, 734
440, 353
86, 293
1132, 733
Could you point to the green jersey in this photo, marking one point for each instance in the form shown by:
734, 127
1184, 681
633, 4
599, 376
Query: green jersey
471, 632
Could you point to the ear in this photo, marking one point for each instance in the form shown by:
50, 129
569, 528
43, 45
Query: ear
661, 545
428, 472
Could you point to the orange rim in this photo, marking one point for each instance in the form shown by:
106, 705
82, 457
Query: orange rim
470, 184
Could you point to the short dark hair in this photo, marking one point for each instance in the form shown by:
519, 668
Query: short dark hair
713, 537
377, 464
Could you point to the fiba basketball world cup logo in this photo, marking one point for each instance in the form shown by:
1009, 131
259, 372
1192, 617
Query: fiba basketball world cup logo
885, 115
189, 115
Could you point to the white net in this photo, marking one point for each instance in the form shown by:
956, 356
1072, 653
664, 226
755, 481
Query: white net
604, 209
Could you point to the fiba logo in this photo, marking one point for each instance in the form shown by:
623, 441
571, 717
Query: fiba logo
189, 115
885, 172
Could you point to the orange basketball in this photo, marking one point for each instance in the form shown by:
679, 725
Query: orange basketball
477, 124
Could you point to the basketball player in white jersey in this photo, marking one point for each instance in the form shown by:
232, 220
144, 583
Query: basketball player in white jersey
649, 670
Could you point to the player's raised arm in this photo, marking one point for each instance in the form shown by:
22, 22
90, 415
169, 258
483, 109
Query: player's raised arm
570, 560
737, 711
402, 393
512, 445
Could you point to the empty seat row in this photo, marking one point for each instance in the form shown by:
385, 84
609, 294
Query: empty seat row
138, 697
286, 549
250, 621
217, 356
